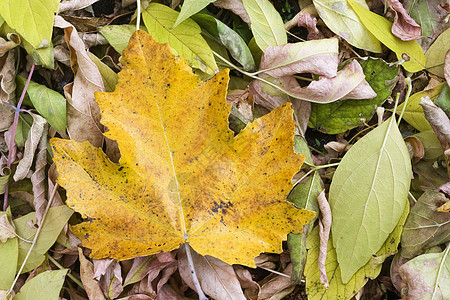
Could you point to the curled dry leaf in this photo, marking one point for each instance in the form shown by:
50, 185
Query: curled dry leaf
310, 23
404, 27
90, 284
415, 148
324, 233
38, 176
277, 286
7, 88
7, 230
436, 117
235, 6
447, 67
153, 203
217, 278
83, 114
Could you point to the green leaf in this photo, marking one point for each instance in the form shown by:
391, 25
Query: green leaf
443, 99
119, 35
431, 144
185, 39
435, 55
228, 38
414, 113
425, 227
56, 218
9, 253
338, 290
343, 21
337, 117
109, 77
381, 28
368, 195
50, 104
267, 25
427, 276
4, 179
190, 8
304, 195
32, 19
45, 286
23, 127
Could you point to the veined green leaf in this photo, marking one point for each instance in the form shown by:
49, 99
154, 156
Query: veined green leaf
381, 28
189, 8
56, 218
32, 19
109, 77
45, 286
228, 38
343, 115
435, 55
414, 113
266, 23
343, 21
119, 35
368, 195
9, 253
338, 290
185, 39
50, 104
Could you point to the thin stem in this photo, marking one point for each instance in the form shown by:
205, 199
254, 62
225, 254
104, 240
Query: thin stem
12, 143
198, 288
412, 197
275, 272
315, 168
74, 279
38, 231
408, 93
138, 17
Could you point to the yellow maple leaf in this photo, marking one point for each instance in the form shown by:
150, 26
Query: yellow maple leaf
182, 176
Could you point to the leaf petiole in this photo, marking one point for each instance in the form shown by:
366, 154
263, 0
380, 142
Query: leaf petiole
408, 93
315, 168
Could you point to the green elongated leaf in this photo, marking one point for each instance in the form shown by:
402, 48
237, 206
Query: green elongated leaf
9, 253
50, 104
56, 218
119, 35
368, 195
338, 290
45, 286
337, 117
190, 8
431, 144
433, 269
443, 99
266, 23
32, 19
228, 38
343, 21
425, 227
109, 77
185, 39
4, 179
303, 195
23, 127
381, 28
414, 113
435, 55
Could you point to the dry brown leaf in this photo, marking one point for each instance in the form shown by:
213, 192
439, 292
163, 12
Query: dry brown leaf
7, 89
91, 285
404, 27
75, 4
235, 6
277, 286
310, 23
251, 287
217, 278
437, 118
444, 207
31, 144
12, 43
415, 147
243, 101
7, 229
324, 233
447, 67
38, 176
109, 274
83, 114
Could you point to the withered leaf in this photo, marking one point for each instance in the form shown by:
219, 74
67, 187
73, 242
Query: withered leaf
182, 175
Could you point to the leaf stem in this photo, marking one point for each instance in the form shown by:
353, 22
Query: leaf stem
74, 279
439, 271
315, 168
138, 15
408, 93
198, 288
38, 231
12, 143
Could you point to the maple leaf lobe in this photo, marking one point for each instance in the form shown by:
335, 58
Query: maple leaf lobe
182, 173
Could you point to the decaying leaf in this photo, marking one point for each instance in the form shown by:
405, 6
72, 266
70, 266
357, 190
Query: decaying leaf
180, 179
404, 27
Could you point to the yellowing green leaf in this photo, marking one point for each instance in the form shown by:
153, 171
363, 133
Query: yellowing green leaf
32, 19
368, 195
185, 39
343, 21
189, 8
119, 35
414, 113
381, 28
109, 77
182, 175
338, 290
435, 55
266, 23
9, 253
